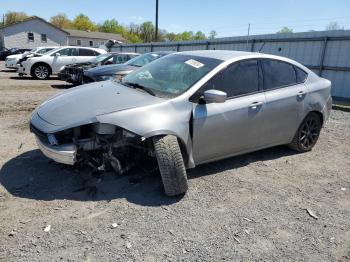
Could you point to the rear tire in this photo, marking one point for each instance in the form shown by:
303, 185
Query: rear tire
307, 134
171, 165
41, 72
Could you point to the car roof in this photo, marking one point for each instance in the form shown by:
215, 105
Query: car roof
124, 53
85, 47
226, 55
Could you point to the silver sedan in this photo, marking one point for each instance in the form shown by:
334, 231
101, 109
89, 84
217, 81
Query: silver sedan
183, 110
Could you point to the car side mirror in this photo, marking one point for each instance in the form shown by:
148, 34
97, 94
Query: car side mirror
214, 96
57, 54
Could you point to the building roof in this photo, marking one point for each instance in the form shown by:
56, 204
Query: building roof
74, 32
97, 35
32, 18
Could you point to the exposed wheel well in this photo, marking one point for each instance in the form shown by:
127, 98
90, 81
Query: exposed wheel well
319, 114
40, 63
183, 151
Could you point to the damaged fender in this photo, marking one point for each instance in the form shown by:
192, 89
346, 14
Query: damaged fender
167, 118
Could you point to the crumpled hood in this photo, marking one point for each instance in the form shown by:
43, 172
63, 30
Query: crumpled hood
17, 56
82, 104
109, 69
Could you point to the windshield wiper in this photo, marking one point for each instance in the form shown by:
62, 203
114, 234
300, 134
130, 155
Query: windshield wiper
138, 86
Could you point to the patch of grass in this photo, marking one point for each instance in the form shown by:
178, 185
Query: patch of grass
341, 107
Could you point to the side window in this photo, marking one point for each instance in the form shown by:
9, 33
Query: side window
42, 51
67, 52
277, 74
86, 52
30, 36
43, 38
238, 79
120, 59
301, 75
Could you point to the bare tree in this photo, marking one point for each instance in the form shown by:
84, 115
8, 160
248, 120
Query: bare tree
212, 34
334, 26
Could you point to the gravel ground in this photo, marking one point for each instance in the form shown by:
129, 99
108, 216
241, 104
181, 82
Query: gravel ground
251, 207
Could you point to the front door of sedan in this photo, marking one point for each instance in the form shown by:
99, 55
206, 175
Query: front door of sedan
224, 129
285, 95
63, 57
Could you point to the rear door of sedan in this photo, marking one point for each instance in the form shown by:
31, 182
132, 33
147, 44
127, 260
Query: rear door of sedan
224, 129
85, 55
286, 96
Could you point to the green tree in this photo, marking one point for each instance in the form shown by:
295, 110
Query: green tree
199, 36
112, 26
133, 38
212, 34
334, 26
171, 36
147, 31
61, 20
285, 30
187, 35
14, 17
83, 22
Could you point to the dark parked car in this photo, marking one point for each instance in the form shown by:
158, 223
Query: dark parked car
73, 73
107, 72
12, 51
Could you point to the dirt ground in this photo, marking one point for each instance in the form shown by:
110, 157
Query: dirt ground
247, 208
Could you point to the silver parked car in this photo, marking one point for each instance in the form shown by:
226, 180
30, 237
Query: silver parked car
183, 110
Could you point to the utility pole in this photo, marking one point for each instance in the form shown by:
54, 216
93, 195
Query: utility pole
248, 35
156, 33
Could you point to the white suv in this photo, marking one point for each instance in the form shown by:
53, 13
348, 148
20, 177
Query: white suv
42, 67
12, 60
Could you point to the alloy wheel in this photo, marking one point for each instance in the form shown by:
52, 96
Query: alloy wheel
309, 133
41, 72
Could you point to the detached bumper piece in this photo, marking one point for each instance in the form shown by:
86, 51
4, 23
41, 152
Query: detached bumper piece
65, 154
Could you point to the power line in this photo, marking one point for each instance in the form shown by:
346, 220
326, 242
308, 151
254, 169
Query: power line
282, 22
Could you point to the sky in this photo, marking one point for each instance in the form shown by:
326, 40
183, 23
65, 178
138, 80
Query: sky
227, 17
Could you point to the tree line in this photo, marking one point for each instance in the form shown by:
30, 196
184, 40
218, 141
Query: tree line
134, 33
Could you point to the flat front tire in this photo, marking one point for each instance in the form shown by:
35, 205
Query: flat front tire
171, 165
307, 134
41, 72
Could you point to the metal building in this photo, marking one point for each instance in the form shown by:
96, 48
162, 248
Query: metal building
35, 31
325, 52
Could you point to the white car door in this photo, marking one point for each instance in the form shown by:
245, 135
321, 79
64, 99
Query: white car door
63, 57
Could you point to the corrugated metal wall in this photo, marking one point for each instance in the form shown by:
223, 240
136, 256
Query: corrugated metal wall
327, 53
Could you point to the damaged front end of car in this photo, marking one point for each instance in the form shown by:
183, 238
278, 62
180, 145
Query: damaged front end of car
100, 146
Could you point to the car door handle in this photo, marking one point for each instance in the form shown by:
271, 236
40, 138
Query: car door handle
301, 93
255, 105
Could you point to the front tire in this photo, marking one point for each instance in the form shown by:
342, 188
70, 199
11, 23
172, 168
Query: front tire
307, 134
41, 72
171, 165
